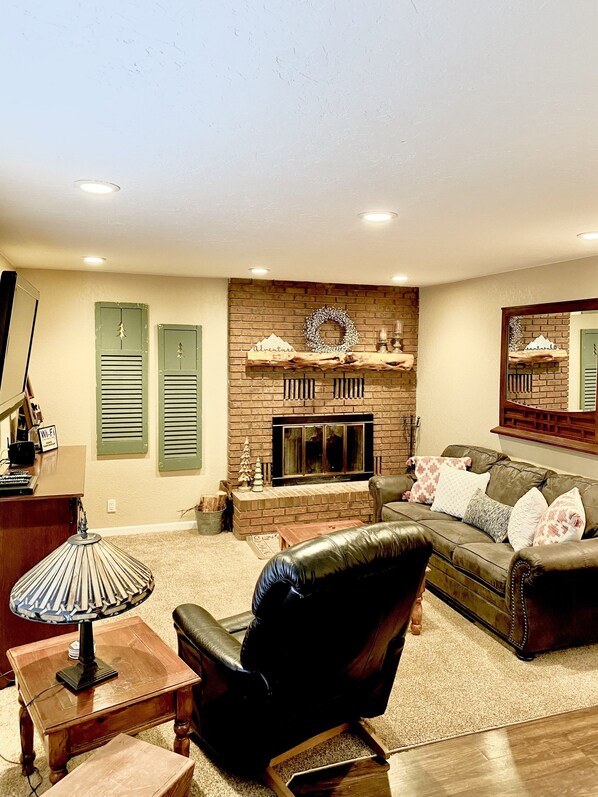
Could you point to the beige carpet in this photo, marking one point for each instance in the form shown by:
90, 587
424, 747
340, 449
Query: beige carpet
452, 679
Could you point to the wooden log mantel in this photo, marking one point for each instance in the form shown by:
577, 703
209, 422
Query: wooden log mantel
327, 361
537, 356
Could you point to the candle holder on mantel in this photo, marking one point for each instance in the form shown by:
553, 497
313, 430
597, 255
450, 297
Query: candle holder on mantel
383, 340
398, 337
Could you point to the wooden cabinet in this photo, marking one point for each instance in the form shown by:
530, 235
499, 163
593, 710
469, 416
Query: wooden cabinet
31, 527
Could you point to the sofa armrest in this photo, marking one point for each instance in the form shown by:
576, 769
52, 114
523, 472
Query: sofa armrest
552, 594
230, 702
384, 489
207, 635
560, 557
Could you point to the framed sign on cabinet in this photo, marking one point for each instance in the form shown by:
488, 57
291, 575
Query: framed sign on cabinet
48, 439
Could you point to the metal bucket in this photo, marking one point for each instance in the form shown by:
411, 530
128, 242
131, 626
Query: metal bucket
209, 522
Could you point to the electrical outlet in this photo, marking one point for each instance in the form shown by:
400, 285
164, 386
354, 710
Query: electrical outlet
111, 505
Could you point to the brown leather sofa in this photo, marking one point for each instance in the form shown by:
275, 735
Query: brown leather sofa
538, 599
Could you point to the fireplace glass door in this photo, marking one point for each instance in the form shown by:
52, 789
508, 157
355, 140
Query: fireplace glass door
315, 451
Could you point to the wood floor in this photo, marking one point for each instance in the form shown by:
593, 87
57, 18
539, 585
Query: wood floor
551, 757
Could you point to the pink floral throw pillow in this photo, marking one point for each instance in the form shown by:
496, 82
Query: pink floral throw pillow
564, 520
427, 471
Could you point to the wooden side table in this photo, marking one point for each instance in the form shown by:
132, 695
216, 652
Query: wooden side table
132, 768
294, 533
153, 686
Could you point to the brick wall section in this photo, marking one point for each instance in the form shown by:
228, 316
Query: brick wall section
550, 381
258, 308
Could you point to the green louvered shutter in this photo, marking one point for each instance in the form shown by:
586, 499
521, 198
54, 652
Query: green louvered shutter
589, 372
179, 357
121, 378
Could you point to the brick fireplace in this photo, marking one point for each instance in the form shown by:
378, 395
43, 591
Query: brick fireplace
258, 308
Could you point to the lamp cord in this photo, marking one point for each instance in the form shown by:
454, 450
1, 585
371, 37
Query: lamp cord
9, 681
33, 789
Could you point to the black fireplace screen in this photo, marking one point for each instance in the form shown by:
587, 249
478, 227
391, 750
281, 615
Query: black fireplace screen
318, 448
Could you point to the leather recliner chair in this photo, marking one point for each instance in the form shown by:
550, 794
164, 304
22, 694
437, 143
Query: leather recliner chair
319, 650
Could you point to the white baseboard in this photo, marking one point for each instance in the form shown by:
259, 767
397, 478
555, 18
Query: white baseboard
149, 528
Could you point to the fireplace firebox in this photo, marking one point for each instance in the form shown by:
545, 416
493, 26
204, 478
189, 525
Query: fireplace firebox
309, 449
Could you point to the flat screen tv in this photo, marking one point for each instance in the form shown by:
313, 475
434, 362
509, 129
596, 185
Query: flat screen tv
18, 311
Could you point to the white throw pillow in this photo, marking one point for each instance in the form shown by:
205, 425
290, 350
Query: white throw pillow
525, 518
456, 488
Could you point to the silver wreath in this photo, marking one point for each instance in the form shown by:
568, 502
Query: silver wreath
321, 316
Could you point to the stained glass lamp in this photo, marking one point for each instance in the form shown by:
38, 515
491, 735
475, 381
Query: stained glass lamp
84, 580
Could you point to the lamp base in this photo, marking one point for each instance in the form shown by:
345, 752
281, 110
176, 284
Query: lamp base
78, 678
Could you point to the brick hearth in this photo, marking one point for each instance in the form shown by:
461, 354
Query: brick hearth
259, 513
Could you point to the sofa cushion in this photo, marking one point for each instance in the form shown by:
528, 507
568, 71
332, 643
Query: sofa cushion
427, 471
482, 459
401, 510
487, 562
509, 481
447, 535
488, 515
455, 489
563, 521
559, 483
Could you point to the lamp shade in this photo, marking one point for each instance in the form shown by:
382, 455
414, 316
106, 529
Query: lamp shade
85, 579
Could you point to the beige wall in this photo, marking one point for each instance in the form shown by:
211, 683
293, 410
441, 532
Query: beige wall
63, 379
459, 355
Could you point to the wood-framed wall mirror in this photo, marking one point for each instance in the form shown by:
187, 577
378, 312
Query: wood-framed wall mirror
549, 374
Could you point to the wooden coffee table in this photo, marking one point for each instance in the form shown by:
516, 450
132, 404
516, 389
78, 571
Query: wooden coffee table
300, 532
153, 686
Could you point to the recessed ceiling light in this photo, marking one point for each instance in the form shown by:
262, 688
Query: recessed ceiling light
97, 186
92, 260
259, 271
377, 215
588, 236
400, 278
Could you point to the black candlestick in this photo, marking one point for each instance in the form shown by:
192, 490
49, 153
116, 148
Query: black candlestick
88, 671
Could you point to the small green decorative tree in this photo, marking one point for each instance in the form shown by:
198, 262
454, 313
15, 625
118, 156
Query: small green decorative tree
258, 481
245, 467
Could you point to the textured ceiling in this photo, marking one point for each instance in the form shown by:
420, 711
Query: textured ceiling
253, 133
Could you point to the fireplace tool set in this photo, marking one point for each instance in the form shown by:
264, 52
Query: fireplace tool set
411, 424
